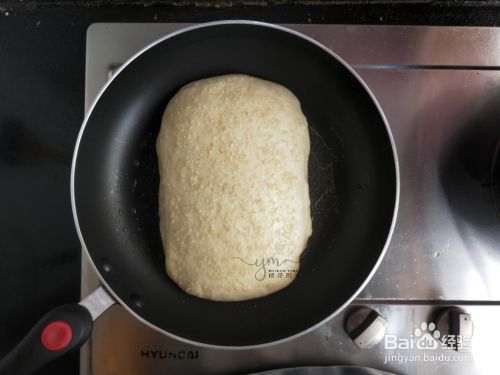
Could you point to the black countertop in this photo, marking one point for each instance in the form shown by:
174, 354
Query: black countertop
42, 56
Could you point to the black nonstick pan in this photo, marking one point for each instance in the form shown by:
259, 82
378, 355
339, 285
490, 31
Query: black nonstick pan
353, 179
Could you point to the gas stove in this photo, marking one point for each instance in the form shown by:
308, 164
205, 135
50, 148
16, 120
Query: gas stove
433, 306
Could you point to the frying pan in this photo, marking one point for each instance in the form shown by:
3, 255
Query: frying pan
353, 180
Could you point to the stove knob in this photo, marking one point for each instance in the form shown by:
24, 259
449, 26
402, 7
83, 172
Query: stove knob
456, 328
365, 327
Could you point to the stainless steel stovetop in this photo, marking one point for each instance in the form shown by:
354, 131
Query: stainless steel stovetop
440, 90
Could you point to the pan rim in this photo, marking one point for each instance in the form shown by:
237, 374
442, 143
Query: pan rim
252, 23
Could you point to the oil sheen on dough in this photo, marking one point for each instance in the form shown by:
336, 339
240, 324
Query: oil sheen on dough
234, 197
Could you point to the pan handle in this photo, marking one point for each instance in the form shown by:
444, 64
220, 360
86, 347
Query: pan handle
61, 330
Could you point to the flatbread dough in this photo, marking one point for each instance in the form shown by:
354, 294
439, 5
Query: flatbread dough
234, 199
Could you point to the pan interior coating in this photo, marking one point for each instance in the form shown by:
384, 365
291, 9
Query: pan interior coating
234, 198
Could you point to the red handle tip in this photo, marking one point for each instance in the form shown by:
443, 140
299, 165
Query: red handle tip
56, 335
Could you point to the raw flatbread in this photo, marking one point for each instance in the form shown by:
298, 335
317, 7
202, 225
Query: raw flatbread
234, 197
